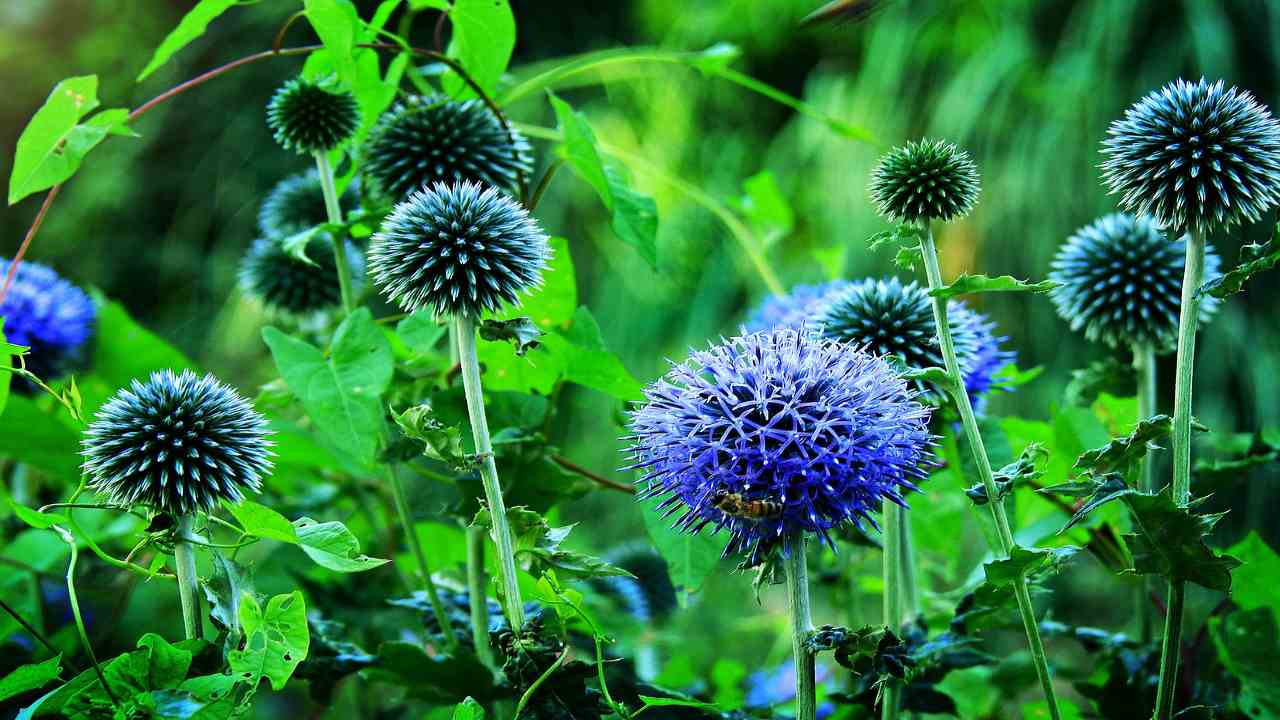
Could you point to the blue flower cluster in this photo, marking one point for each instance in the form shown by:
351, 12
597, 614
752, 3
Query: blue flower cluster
778, 432
47, 314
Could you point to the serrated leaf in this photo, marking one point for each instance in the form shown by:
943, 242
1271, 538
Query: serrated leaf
538, 547
1170, 542
968, 284
1254, 258
1104, 376
521, 332
192, 26
1120, 453
1027, 561
331, 545
276, 639
1027, 468
439, 441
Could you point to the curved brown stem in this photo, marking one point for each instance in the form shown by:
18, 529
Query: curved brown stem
577, 469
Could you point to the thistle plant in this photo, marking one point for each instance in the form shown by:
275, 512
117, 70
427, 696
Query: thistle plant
795, 308
48, 315
293, 286
307, 118
425, 140
297, 203
933, 180
1196, 157
462, 250
180, 444
774, 436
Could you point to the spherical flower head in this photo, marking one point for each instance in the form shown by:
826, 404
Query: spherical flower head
424, 140
47, 314
297, 203
1121, 282
460, 249
778, 432
793, 309
925, 180
1195, 156
288, 284
178, 443
307, 118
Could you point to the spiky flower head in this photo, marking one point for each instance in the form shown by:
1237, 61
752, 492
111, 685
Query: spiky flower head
1121, 282
306, 117
178, 443
1195, 156
47, 314
297, 203
459, 249
925, 180
289, 284
778, 432
424, 140
794, 308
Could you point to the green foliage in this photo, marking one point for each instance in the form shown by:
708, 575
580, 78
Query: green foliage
330, 544
276, 639
521, 332
30, 677
192, 26
968, 284
1104, 376
538, 547
690, 558
1120, 453
1254, 258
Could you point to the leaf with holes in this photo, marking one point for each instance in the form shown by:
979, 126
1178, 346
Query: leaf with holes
276, 639
331, 545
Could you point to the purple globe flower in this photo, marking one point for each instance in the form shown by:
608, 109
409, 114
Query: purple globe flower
794, 308
47, 314
775, 433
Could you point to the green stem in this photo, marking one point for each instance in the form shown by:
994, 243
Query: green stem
894, 515
334, 211
465, 328
910, 589
420, 557
1188, 318
74, 600
184, 566
476, 584
1144, 364
801, 626
976, 446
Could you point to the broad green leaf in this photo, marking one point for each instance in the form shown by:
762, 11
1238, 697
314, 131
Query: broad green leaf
33, 518
1248, 643
54, 143
1254, 258
588, 363
263, 522
276, 639
468, 709
30, 677
337, 24
1253, 584
125, 350
35, 435
483, 38
552, 305
192, 26
1027, 561
967, 284
8, 350
690, 558
421, 331
341, 393
331, 545
1170, 541
765, 207
634, 216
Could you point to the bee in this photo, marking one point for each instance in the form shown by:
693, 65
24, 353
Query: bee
735, 505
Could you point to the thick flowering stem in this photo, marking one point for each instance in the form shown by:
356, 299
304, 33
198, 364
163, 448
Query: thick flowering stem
334, 211
801, 626
420, 557
910, 590
476, 583
184, 561
1187, 321
976, 446
1144, 364
894, 517
465, 328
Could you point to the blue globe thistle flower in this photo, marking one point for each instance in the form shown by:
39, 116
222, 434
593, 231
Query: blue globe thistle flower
459, 249
425, 140
306, 118
1195, 156
778, 432
49, 315
178, 443
1121, 282
793, 309
925, 180
297, 203
284, 283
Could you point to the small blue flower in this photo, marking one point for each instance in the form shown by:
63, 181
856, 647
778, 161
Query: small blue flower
47, 314
794, 308
778, 432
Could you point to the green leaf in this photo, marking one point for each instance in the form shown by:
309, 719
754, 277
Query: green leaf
538, 547
126, 350
634, 216
967, 284
337, 24
420, 331
468, 709
439, 441
1248, 643
1028, 468
263, 522
1170, 542
8, 350
1253, 583
341, 393
651, 701
690, 558
1027, 561
1122, 452
1254, 258
331, 545
1109, 376
521, 332
276, 639
434, 679
36, 436
1100, 489
484, 36
33, 518
192, 26
765, 207
30, 677
588, 363
53, 144
552, 305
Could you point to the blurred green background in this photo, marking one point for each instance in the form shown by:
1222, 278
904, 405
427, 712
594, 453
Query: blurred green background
160, 222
